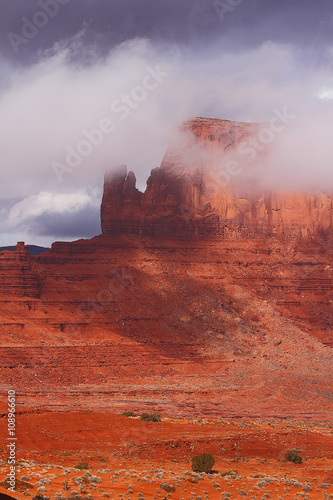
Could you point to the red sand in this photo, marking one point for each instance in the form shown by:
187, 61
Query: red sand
49, 445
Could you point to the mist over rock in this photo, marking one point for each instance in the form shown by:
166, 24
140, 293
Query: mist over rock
209, 185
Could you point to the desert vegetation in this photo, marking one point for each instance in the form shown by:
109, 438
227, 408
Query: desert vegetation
293, 456
146, 417
82, 466
203, 463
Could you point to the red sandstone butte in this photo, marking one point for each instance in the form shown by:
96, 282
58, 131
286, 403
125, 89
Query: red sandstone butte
198, 298
194, 195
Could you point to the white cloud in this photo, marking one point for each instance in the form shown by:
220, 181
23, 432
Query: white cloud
326, 94
52, 203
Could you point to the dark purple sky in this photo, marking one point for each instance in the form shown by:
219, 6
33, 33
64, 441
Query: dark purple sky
63, 63
193, 22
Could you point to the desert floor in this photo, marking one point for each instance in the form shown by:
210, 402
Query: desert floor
128, 458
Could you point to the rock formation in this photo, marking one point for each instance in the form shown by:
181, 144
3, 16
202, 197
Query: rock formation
198, 192
197, 299
170, 206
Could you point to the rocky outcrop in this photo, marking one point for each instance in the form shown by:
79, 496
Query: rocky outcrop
205, 188
17, 273
170, 207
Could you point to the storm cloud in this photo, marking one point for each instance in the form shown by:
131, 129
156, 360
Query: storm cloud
239, 23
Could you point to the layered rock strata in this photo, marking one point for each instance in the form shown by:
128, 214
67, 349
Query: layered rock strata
18, 275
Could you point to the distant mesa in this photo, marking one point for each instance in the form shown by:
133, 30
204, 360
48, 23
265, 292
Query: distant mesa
21, 247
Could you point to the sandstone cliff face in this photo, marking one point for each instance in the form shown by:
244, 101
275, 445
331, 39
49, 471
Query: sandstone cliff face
218, 327
206, 188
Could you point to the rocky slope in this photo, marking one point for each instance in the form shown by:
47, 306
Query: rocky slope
181, 312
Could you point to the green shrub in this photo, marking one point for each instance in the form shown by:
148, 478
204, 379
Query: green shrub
293, 456
154, 418
82, 466
128, 414
203, 463
150, 418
